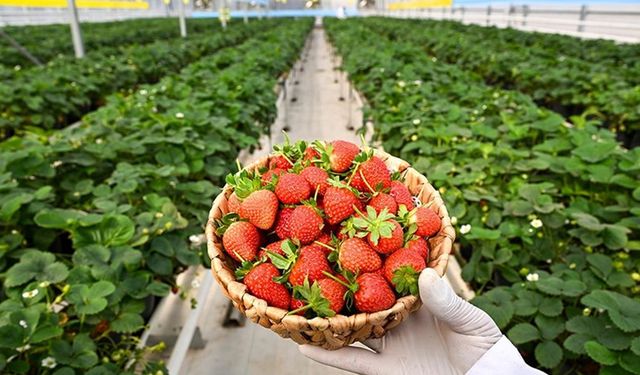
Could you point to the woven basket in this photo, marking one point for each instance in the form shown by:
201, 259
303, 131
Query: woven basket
340, 330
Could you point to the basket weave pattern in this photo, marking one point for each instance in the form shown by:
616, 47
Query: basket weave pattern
340, 330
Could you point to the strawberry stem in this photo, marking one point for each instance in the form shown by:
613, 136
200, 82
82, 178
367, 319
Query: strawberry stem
366, 182
303, 308
324, 245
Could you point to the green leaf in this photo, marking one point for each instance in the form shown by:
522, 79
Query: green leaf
114, 230
45, 333
600, 354
551, 306
58, 218
587, 221
548, 354
36, 265
551, 285
522, 333
550, 328
11, 336
575, 343
101, 289
615, 236
158, 288
602, 264
635, 345
160, 264
127, 323
623, 311
595, 151
498, 304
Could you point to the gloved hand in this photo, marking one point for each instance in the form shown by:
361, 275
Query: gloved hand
446, 336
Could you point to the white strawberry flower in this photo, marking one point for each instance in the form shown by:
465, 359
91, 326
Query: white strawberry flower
454, 220
416, 121
23, 324
30, 293
536, 223
22, 349
180, 115
533, 277
466, 228
49, 362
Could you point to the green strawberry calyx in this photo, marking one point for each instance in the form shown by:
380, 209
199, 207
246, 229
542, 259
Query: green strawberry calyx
312, 295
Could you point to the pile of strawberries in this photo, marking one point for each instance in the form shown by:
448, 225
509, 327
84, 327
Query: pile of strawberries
326, 229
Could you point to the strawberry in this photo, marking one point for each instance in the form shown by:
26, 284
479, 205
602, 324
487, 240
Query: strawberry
402, 270
241, 241
427, 221
387, 245
233, 203
381, 201
306, 224
283, 223
317, 178
371, 176
356, 256
401, 194
295, 306
271, 175
338, 204
260, 283
420, 246
341, 155
260, 208
310, 265
311, 153
383, 233
325, 297
280, 162
373, 294
292, 188
274, 247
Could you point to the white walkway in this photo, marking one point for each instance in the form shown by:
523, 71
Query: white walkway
311, 110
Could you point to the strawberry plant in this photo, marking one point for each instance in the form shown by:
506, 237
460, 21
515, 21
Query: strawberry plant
547, 210
98, 219
56, 95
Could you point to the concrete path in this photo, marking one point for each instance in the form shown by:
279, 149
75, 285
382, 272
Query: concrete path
310, 109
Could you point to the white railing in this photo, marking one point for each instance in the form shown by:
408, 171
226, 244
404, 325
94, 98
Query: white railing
616, 23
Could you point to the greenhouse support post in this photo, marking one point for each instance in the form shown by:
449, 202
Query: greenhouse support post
76, 34
20, 48
183, 22
583, 17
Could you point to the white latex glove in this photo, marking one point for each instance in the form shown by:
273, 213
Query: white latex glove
446, 336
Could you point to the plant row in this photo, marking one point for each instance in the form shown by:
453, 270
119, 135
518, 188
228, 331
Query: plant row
547, 212
601, 51
98, 219
565, 84
49, 41
59, 93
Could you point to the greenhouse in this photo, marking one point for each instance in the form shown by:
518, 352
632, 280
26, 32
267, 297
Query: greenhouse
319, 187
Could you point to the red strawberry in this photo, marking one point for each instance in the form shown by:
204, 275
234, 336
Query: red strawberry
325, 297
381, 201
373, 294
233, 203
279, 161
305, 223
317, 178
402, 270
269, 175
334, 292
387, 245
371, 176
356, 256
342, 155
297, 304
427, 220
260, 208
420, 246
311, 264
274, 247
292, 188
241, 240
401, 194
338, 204
260, 283
311, 153
283, 223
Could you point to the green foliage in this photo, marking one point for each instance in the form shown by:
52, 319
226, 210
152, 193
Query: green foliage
96, 219
549, 209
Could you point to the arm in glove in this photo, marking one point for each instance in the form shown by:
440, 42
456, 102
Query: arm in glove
446, 336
